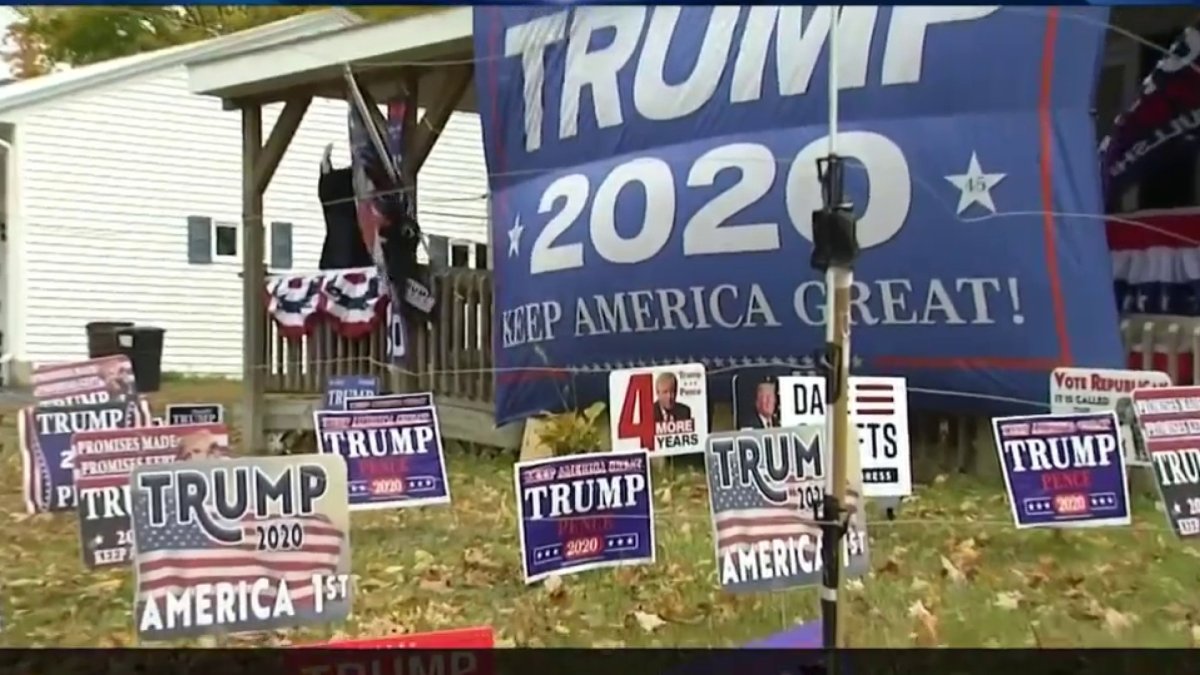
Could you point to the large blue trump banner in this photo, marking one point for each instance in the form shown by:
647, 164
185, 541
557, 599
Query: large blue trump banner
653, 178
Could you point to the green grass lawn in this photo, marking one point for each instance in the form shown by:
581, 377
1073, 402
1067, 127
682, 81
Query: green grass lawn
950, 571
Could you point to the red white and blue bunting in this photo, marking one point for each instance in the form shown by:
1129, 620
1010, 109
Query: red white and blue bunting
354, 301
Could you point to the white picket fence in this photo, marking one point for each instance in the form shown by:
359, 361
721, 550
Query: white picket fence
1166, 343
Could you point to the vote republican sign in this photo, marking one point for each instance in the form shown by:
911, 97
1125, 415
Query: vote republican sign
653, 177
1102, 390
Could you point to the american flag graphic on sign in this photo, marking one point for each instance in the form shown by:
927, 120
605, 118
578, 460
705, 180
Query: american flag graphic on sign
743, 516
873, 399
288, 563
175, 556
879, 411
765, 486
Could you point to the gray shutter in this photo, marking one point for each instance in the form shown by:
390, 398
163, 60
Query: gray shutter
199, 245
281, 245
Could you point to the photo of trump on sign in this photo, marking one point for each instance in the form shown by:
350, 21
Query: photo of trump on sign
667, 407
756, 401
660, 409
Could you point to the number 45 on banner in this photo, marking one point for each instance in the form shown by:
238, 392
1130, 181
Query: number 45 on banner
661, 409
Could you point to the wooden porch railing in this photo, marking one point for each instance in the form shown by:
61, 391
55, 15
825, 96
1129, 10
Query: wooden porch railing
450, 355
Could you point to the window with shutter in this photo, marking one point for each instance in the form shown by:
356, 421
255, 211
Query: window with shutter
199, 242
227, 235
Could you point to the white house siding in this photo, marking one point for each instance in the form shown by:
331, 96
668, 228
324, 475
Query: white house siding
108, 179
453, 182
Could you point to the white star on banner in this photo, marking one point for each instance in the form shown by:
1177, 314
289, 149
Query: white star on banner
514, 237
975, 186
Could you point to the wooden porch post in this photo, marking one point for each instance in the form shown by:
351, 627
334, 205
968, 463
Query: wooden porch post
414, 359
259, 163
424, 135
253, 278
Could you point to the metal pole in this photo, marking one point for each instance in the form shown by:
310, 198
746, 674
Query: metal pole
838, 280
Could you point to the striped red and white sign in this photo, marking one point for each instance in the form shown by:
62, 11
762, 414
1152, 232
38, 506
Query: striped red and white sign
873, 399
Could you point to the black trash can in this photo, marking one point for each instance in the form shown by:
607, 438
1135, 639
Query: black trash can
102, 337
144, 346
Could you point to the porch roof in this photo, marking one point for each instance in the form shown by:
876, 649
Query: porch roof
314, 65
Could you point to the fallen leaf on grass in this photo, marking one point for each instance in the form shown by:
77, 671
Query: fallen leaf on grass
1091, 610
951, 572
1074, 593
1074, 580
103, 587
926, 633
890, 566
608, 644
380, 626
477, 579
648, 622
854, 585
1032, 578
664, 496
440, 585
1117, 622
966, 557
1178, 611
1008, 600
423, 561
475, 558
554, 587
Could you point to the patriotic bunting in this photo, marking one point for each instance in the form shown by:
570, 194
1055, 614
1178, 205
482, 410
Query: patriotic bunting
294, 302
1156, 262
354, 300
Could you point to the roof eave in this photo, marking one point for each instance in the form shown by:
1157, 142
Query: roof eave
171, 58
269, 72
